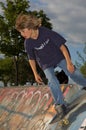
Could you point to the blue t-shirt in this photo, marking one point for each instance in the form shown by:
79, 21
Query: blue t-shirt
46, 48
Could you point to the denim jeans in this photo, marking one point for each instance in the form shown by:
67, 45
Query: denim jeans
53, 82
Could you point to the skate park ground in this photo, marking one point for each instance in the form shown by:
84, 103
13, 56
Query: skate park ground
25, 108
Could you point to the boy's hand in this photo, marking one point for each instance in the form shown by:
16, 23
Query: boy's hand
71, 67
38, 79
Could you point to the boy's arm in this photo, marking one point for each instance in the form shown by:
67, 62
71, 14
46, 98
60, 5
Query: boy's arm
70, 65
34, 69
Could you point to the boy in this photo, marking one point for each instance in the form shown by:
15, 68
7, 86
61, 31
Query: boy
48, 49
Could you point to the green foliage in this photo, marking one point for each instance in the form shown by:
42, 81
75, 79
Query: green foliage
11, 41
83, 69
83, 61
5, 65
6, 69
24, 71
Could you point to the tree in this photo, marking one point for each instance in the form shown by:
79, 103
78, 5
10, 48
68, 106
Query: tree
83, 61
5, 69
10, 40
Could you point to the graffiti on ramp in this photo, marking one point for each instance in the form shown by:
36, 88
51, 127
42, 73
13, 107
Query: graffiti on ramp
24, 108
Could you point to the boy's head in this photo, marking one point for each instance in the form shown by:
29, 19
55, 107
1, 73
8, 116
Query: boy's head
27, 21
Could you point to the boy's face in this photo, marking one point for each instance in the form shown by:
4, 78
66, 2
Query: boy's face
26, 33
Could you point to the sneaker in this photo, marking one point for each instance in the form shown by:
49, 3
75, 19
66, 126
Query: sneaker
61, 112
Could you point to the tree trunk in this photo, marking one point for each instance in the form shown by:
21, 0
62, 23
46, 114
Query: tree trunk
16, 68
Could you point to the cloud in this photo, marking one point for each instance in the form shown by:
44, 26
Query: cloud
68, 17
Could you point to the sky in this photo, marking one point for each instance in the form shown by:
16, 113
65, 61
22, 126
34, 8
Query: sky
68, 18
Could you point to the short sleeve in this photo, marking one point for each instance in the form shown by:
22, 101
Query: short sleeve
57, 39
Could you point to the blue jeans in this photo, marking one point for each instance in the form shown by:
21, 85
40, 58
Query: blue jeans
53, 82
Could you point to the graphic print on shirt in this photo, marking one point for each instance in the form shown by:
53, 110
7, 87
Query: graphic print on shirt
42, 45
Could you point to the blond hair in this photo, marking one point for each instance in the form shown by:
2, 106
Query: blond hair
27, 21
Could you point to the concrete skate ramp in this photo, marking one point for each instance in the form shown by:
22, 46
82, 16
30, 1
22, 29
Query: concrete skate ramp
25, 108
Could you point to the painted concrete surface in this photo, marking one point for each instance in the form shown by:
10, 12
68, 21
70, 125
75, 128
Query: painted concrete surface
78, 114
23, 108
26, 108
